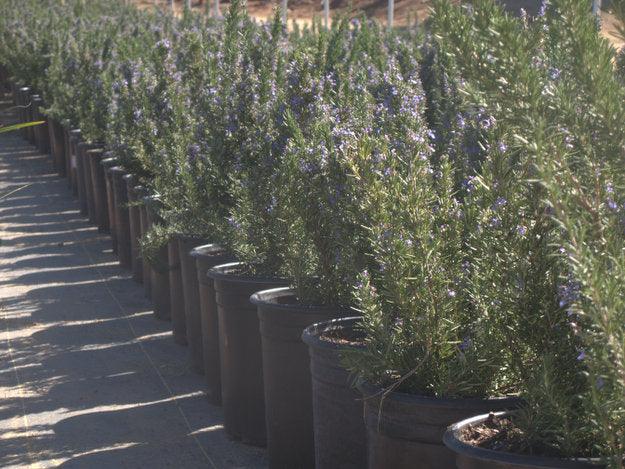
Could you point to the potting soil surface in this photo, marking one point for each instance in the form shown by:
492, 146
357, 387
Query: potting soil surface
88, 377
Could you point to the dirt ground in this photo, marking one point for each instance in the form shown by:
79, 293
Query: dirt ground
406, 11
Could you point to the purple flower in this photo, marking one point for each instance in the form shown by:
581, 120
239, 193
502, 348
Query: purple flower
164, 43
499, 202
193, 152
469, 184
307, 167
460, 121
554, 73
568, 293
495, 222
502, 147
234, 223
581, 356
451, 293
521, 230
466, 344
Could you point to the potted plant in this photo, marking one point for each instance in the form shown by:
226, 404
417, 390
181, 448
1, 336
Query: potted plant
327, 243
253, 230
439, 305
573, 415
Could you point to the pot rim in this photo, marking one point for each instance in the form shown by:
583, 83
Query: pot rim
108, 162
370, 390
207, 250
311, 334
455, 444
270, 296
117, 169
227, 272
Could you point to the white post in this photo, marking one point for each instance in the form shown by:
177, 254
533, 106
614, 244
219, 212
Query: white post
391, 13
284, 11
216, 11
326, 13
596, 7
189, 4
171, 4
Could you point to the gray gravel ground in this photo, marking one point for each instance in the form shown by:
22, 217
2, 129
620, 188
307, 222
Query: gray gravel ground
88, 377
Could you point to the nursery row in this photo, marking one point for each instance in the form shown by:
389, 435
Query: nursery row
415, 226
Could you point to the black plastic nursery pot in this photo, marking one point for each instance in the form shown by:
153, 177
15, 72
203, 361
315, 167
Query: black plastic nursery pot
147, 271
15, 87
122, 222
75, 138
339, 427
29, 116
286, 375
240, 351
472, 457
41, 131
68, 141
23, 101
159, 265
57, 146
107, 164
35, 100
206, 257
4, 78
98, 185
176, 297
80, 177
191, 292
89, 188
135, 194
404, 428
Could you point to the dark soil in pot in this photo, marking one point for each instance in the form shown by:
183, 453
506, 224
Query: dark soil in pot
404, 428
134, 224
107, 164
191, 291
286, 375
147, 271
339, 427
98, 185
176, 297
206, 257
482, 430
159, 264
122, 222
240, 351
